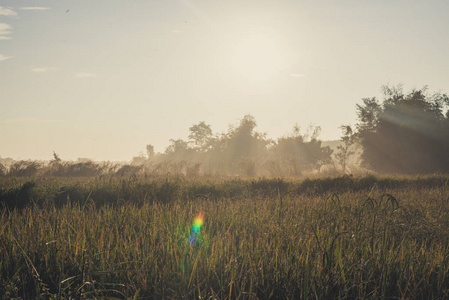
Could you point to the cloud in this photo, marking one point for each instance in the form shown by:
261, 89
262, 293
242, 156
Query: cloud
5, 30
43, 69
85, 75
3, 57
27, 120
6, 11
35, 8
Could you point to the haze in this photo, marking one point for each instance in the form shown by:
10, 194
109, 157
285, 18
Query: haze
102, 79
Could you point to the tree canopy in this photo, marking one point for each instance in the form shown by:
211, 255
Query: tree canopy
406, 133
245, 151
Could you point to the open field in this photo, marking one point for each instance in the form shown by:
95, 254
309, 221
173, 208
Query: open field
328, 238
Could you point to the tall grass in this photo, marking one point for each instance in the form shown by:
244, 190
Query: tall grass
374, 238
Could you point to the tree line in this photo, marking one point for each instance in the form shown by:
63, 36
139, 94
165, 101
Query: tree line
402, 133
245, 151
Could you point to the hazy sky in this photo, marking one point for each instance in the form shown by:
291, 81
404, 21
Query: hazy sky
101, 79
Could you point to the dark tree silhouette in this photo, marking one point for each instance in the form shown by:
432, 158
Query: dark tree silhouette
407, 133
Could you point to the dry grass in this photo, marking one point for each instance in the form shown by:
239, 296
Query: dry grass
261, 239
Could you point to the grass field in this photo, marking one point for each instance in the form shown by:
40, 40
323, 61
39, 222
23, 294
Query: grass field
325, 238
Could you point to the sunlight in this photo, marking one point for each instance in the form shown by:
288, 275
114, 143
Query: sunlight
256, 57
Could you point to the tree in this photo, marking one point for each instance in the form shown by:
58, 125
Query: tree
201, 135
150, 150
56, 158
302, 152
407, 133
177, 146
243, 142
344, 152
3, 170
56, 165
179, 150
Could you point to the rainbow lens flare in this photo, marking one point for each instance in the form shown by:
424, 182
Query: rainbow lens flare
197, 224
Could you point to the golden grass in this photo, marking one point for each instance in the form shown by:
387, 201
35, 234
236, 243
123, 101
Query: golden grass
261, 239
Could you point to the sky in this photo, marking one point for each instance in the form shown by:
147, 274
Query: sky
102, 79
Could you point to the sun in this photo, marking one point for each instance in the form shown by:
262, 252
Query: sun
256, 57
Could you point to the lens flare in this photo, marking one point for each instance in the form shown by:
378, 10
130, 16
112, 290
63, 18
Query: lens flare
197, 224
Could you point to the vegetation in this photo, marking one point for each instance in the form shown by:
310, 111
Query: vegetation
345, 149
75, 230
246, 152
327, 238
241, 151
407, 134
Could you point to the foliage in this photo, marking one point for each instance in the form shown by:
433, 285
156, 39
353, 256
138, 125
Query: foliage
407, 133
76, 169
24, 168
3, 170
150, 150
298, 153
179, 149
372, 238
243, 151
344, 150
201, 135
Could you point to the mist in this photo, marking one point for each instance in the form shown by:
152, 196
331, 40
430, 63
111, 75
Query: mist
403, 133
240, 151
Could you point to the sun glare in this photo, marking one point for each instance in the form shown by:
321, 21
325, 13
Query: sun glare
256, 57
